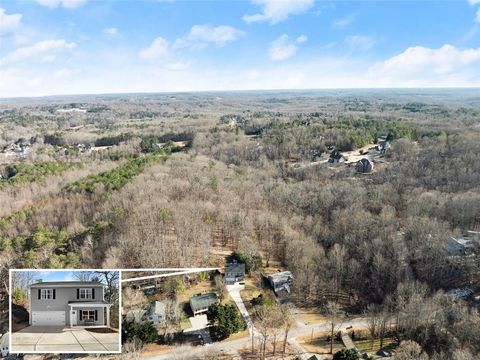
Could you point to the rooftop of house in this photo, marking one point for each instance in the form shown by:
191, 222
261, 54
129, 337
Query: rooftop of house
66, 283
203, 301
281, 277
235, 267
88, 302
157, 307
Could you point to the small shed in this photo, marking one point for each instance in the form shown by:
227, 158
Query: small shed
364, 166
200, 303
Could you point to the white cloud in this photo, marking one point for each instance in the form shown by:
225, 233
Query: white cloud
360, 42
253, 74
301, 39
177, 66
203, 35
282, 48
70, 4
157, 49
111, 31
473, 2
423, 66
62, 73
344, 22
275, 11
9, 23
41, 51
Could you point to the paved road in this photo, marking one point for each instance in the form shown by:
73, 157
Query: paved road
230, 346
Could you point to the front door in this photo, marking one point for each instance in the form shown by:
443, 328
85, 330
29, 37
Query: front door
73, 317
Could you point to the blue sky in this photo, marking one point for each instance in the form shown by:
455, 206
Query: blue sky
98, 46
55, 276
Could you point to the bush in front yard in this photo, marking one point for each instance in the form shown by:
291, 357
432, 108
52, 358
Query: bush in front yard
144, 331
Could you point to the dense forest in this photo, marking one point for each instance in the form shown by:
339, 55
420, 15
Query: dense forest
182, 179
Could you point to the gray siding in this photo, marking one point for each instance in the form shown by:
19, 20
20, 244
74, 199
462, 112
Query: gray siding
62, 296
101, 315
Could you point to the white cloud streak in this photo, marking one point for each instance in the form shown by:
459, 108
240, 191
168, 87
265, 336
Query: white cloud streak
201, 36
157, 49
9, 23
423, 66
344, 22
275, 11
284, 48
69, 4
43, 51
111, 31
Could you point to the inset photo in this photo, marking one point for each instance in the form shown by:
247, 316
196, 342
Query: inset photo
64, 311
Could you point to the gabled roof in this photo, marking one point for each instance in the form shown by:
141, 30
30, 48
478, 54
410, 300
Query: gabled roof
67, 283
203, 301
281, 277
235, 267
157, 307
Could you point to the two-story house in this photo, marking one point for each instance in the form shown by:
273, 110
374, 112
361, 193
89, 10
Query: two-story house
72, 303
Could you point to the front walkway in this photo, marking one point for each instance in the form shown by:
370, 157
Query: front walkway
347, 341
58, 339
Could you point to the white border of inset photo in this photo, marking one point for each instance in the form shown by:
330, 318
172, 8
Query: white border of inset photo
17, 351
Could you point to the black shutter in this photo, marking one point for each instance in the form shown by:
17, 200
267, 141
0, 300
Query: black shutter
81, 314
96, 315
53, 294
39, 294
93, 293
78, 294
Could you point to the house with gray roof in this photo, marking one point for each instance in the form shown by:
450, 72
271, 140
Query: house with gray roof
234, 272
156, 312
281, 283
200, 303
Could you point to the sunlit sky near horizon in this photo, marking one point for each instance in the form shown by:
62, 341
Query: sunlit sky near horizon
52, 47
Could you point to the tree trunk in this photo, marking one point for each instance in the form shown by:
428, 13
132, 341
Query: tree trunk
253, 349
285, 340
331, 339
274, 343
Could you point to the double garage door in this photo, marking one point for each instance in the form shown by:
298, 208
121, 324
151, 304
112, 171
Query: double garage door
48, 318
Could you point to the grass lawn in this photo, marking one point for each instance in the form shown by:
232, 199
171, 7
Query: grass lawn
311, 315
250, 291
202, 287
185, 324
320, 345
366, 345
238, 335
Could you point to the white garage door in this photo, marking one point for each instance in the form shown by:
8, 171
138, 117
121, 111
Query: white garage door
48, 318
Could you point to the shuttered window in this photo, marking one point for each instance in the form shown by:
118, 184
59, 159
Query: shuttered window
46, 294
86, 293
88, 315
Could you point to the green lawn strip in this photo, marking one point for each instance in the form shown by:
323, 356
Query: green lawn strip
366, 345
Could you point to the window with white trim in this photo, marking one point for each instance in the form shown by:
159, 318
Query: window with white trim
88, 314
86, 294
46, 294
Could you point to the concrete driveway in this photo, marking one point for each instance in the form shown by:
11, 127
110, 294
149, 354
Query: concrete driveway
59, 339
200, 326
234, 292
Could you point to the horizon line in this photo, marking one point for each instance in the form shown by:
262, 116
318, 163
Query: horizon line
239, 90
